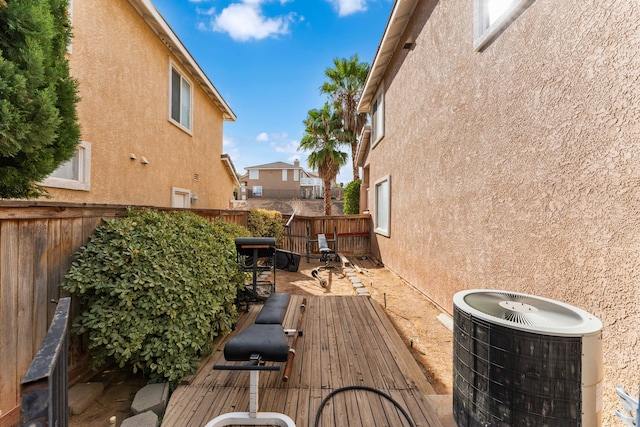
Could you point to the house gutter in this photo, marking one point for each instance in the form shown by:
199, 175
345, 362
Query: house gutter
398, 20
156, 21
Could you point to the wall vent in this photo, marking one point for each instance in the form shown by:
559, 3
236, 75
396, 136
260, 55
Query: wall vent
523, 360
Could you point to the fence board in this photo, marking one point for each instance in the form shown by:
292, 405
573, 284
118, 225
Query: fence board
26, 311
8, 315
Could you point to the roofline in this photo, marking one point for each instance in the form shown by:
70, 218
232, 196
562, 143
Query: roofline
226, 159
156, 21
363, 145
397, 23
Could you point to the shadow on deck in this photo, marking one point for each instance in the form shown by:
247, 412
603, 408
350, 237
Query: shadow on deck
347, 341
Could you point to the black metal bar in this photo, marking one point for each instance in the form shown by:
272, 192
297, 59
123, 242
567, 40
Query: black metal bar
44, 387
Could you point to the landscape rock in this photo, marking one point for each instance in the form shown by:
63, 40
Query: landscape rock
146, 419
152, 397
82, 395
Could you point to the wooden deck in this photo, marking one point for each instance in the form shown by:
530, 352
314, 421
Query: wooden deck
347, 340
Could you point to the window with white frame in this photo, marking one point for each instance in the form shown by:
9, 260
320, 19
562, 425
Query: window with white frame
382, 205
377, 117
257, 190
254, 174
180, 197
75, 173
296, 175
181, 94
284, 174
493, 16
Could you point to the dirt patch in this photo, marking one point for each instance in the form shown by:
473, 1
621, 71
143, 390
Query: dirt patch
305, 207
412, 314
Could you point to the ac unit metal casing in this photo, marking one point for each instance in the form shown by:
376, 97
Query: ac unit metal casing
522, 360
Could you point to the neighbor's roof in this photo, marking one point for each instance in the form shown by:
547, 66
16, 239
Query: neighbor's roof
154, 19
226, 159
274, 165
400, 14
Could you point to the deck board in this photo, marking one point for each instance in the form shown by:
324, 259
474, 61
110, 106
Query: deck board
347, 341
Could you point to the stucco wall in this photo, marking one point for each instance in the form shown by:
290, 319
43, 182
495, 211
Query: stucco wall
123, 72
272, 183
519, 166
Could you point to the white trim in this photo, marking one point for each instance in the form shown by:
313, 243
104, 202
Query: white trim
385, 231
183, 77
83, 183
485, 31
285, 174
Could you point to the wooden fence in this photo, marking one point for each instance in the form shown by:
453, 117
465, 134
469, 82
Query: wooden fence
37, 243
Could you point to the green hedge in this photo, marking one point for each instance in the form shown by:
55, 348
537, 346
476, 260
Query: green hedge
352, 198
265, 223
158, 288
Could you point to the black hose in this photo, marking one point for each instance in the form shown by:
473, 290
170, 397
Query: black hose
365, 388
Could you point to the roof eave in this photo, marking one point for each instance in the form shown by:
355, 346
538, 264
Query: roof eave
398, 20
154, 19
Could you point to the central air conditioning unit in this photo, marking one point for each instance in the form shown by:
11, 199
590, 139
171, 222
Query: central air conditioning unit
521, 360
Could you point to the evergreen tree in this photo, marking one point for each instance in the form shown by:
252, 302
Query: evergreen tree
38, 121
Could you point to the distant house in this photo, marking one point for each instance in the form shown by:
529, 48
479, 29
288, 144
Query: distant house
503, 153
280, 180
151, 120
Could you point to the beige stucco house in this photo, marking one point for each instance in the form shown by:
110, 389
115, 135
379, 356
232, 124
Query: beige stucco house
151, 120
280, 180
504, 153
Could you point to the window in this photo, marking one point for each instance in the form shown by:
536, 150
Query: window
181, 94
180, 197
377, 117
493, 16
284, 174
257, 190
296, 175
382, 205
254, 174
74, 174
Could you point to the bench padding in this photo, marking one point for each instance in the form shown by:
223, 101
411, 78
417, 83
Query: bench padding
268, 341
274, 309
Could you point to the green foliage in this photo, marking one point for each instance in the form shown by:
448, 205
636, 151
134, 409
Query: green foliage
38, 122
352, 198
157, 287
265, 223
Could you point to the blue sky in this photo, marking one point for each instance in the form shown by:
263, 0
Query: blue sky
267, 59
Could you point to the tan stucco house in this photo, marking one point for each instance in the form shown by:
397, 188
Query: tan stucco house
280, 180
151, 120
503, 153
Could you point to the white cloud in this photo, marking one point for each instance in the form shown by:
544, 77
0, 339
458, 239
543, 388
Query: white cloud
285, 147
229, 146
348, 7
245, 21
263, 137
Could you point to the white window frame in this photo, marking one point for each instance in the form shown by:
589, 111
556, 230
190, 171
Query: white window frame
175, 191
254, 173
285, 174
180, 122
296, 175
256, 190
83, 183
377, 117
382, 217
70, 16
487, 29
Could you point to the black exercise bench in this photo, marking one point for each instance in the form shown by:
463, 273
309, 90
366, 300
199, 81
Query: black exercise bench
264, 341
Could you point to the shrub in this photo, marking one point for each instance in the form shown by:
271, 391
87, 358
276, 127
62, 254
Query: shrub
264, 223
352, 198
157, 287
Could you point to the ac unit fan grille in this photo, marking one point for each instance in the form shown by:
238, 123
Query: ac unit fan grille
509, 377
523, 309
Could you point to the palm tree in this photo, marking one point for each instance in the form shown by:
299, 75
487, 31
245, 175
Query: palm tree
323, 137
346, 81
